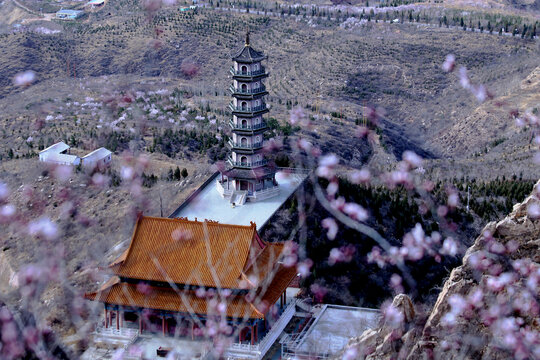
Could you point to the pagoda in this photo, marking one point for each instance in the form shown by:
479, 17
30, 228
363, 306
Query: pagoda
175, 273
248, 176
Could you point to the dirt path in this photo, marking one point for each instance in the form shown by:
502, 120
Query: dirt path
18, 4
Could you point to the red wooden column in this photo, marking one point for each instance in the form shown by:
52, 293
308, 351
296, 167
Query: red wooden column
252, 335
106, 319
163, 324
140, 323
192, 329
117, 320
240, 336
256, 333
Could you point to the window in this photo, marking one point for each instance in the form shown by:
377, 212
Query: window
244, 69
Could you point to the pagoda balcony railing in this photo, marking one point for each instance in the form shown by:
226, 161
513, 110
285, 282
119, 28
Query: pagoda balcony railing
247, 109
258, 126
247, 164
247, 73
246, 146
259, 90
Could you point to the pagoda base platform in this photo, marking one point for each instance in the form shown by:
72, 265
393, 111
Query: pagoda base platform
208, 203
240, 197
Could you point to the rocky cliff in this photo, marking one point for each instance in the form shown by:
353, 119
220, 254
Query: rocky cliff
487, 309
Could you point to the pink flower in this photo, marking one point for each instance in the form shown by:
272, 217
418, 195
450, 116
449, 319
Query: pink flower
297, 115
127, 173
450, 63
453, 200
327, 163
7, 212
355, 211
330, 160
44, 228
25, 78
463, 78
304, 267
332, 226
393, 317
360, 176
450, 247
100, 180
412, 159
305, 145
318, 291
4, 192
63, 172
144, 288
350, 354
332, 188
533, 210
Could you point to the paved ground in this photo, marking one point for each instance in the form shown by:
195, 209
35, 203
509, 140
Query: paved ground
210, 205
334, 326
185, 348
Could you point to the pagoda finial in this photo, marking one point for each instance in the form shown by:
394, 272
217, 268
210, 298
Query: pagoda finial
247, 37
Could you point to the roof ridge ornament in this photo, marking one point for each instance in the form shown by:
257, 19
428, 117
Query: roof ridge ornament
247, 36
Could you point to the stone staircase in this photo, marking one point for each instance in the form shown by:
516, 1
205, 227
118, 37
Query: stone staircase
238, 197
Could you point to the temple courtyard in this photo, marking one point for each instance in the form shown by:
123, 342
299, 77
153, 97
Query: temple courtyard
209, 204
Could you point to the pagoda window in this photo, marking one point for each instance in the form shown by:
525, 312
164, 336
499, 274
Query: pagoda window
244, 69
256, 102
243, 141
244, 88
244, 105
243, 160
244, 124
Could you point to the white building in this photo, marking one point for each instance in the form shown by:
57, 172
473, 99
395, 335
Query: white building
98, 158
59, 154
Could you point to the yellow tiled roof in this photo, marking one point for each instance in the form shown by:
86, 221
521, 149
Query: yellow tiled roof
186, 301
189, 252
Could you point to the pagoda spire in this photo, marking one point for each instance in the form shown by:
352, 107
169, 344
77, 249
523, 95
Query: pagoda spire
247, 36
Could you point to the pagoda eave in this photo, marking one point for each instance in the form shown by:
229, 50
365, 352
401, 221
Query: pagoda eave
250, 131
245, 96
249, 77
244, 151
249, 113
251, 60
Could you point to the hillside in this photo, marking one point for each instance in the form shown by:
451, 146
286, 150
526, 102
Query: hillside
458, 325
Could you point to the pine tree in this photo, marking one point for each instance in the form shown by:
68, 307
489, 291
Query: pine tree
184, 173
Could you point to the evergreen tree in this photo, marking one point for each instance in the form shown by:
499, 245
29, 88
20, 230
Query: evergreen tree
184, 173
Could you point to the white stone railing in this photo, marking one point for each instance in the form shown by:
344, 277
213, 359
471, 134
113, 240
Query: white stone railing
258, 351
271, 337
266, 193
222, 191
